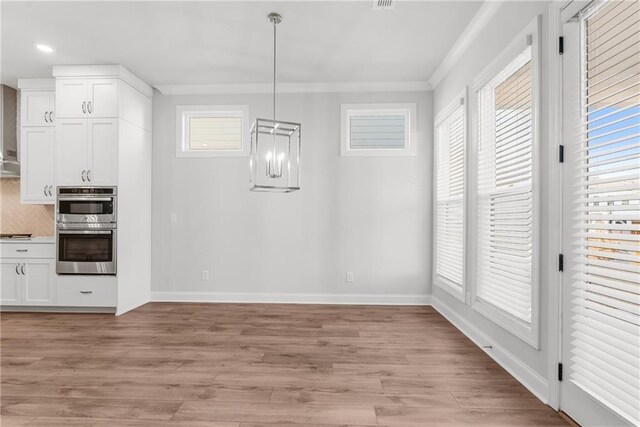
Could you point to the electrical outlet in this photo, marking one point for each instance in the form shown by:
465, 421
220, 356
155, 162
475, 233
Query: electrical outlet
205, 274
173, 218
350, 276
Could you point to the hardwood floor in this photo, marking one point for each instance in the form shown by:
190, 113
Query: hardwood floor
234, 365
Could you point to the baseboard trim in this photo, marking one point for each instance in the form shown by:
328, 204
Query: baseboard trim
55, 309
232, 297
534, 382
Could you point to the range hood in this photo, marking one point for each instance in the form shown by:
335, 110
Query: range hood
8, 131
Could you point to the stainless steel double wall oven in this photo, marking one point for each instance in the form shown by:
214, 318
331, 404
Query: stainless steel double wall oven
86, 228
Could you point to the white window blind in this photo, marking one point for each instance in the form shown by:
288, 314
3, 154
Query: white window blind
606, 219
505, 217
215, 133
212, 130
378, 130
450, 155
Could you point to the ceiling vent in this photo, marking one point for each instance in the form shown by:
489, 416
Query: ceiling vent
384, 4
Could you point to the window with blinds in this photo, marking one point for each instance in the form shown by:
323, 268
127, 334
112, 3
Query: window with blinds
378, 130
211, 131
606, 219
450, 155
506, 209
215, 133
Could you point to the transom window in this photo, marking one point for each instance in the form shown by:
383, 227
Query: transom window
378, 130
212, 131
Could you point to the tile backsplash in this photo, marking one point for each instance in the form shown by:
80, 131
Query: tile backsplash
18, 218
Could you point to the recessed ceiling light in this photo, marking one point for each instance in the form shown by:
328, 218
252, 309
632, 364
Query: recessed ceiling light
44, 48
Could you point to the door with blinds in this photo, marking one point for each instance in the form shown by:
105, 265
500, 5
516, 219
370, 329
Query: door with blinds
601, 237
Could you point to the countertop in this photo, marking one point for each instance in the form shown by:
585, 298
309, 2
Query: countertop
36, 240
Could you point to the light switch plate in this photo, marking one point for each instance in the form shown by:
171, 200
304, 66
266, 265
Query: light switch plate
350, 276
173, 218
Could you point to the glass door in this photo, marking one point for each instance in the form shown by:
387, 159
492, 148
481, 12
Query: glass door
601, 205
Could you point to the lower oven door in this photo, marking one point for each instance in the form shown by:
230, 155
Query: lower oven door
86, 252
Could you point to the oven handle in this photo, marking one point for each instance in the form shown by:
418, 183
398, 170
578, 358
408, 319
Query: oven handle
86, 198
85, 231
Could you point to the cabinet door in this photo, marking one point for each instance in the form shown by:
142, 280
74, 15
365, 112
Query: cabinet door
37, 165
71, 151
10, 282
39, 281
71, 98
36, 108
103, 98
103, 151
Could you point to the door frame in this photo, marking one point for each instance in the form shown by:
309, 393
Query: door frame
554, 229
560, 13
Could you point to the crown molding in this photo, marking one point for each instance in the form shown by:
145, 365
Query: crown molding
111, 71
313, 87
470, 33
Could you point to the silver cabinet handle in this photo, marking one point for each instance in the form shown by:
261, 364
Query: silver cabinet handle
17, 271
48, 190
50, 116
89, 107
89, 175
84, 178
22, 250
84, 107
44, 190
51, 190
45, 117
22, 269
86, 292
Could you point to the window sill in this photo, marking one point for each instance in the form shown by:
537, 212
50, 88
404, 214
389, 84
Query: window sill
449, 287
526, 332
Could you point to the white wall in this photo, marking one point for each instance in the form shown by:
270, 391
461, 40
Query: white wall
508, 21
368, 215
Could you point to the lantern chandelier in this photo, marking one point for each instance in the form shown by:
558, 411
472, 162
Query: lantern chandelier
274, 163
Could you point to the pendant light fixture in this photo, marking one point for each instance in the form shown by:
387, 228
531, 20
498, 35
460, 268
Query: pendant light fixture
274, 163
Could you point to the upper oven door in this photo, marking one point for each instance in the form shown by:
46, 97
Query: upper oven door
86, 209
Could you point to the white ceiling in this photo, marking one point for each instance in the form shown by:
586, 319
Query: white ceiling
169, 43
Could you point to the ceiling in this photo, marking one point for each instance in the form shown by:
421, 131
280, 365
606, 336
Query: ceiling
178, 43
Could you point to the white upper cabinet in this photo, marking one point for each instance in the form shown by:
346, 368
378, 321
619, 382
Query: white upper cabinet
71, 98
102, 98
37, 171
102, 155
37, 107
88, 98
71, 151
87, 152
37, 142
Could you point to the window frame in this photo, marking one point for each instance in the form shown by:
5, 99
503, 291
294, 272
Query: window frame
186, 112
440, 281
527, 332
408, 110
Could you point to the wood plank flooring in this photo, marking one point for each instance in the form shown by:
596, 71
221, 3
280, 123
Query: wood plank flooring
234, 365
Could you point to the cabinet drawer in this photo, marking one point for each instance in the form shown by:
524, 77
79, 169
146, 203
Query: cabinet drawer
86, 291
28, 250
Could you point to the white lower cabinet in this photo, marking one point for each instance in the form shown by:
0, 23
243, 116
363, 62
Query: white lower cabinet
28, 282
11, 283
87, 291
39, 282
